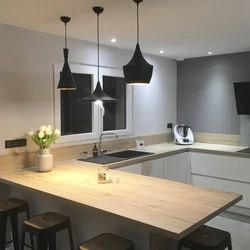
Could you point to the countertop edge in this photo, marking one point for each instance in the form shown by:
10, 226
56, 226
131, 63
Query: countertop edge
185, 149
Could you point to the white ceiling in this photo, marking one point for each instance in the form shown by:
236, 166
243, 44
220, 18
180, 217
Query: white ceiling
182, 28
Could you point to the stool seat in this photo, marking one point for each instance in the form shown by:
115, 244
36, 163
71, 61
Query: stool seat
49, 220
13, 205
107, 241
11, 208
207, 238
45, 227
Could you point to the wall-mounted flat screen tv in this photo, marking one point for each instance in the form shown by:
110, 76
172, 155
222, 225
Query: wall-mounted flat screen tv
242, 97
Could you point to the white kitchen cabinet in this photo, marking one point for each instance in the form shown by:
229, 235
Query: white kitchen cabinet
134, 169
177, 168
154, 168
174, 168
220, 166
226, 173
224, 185
158, 168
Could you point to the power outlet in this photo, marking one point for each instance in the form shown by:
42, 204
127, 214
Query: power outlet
170, 125
15, 143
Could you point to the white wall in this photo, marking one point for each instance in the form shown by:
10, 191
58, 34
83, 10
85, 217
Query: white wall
26, 82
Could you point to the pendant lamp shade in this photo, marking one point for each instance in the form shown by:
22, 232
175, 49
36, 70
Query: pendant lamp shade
98, 94
138, 70
66, 81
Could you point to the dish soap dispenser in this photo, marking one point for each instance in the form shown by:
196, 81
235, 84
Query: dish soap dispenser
95, 151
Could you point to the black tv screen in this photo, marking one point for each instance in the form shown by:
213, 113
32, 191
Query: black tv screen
242, 97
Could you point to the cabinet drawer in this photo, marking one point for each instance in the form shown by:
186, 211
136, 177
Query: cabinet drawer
224, 185
226, 167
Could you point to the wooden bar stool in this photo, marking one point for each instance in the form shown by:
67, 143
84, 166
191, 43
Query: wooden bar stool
11, 208
207, 238
45, 227
108, 241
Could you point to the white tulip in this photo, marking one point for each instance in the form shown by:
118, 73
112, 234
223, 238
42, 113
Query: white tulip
42, 128
57, 132
31, 133
48, 131
41, 134
49, 127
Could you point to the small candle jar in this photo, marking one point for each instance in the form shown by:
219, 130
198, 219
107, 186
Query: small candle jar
84, 154
103, 175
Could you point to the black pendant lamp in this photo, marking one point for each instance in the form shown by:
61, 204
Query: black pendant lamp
98, 94
66, 80
138, 70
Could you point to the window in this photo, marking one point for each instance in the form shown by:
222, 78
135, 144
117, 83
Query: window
115, 112
76, 117
85, 120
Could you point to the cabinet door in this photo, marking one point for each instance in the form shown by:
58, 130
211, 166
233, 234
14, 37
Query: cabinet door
176, 168
158, 168
134, 169
154, 168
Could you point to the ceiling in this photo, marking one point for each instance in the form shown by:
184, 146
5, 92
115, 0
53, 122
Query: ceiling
181, 28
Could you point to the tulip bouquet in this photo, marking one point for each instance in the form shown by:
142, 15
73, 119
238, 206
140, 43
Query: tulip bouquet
45, 136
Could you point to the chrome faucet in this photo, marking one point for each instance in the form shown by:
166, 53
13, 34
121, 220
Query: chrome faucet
101, 150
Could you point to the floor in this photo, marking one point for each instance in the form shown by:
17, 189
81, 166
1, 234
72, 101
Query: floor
239, 227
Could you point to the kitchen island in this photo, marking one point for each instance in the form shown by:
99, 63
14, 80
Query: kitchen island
135, 207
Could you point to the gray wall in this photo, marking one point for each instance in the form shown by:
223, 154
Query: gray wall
205, 94
26, 83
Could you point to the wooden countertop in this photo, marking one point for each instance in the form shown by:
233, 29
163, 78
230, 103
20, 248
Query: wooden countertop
170, 207
168, 149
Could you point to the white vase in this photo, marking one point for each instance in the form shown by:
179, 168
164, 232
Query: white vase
44, 160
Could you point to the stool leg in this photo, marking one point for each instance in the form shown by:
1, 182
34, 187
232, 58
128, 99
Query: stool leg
15, 234
23, 240
3, 227
52, 242
230, 246
179, 246
70, 237
42, 243
31, 236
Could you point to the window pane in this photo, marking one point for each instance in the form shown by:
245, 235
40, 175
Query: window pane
115, 112
76, 117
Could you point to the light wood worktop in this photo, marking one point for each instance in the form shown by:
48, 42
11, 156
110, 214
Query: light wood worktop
170, 207
168, 149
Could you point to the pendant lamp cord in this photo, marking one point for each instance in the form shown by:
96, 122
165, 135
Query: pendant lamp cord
138, 27
65, 36
98, 46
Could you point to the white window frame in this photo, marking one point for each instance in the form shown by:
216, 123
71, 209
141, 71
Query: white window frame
97, 119
129, 100
82, 69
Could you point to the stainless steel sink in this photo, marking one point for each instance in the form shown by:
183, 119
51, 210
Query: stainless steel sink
116, 157
128, 154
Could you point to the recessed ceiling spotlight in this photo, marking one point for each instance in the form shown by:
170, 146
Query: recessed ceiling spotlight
210, 53
113, 40
161, 51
